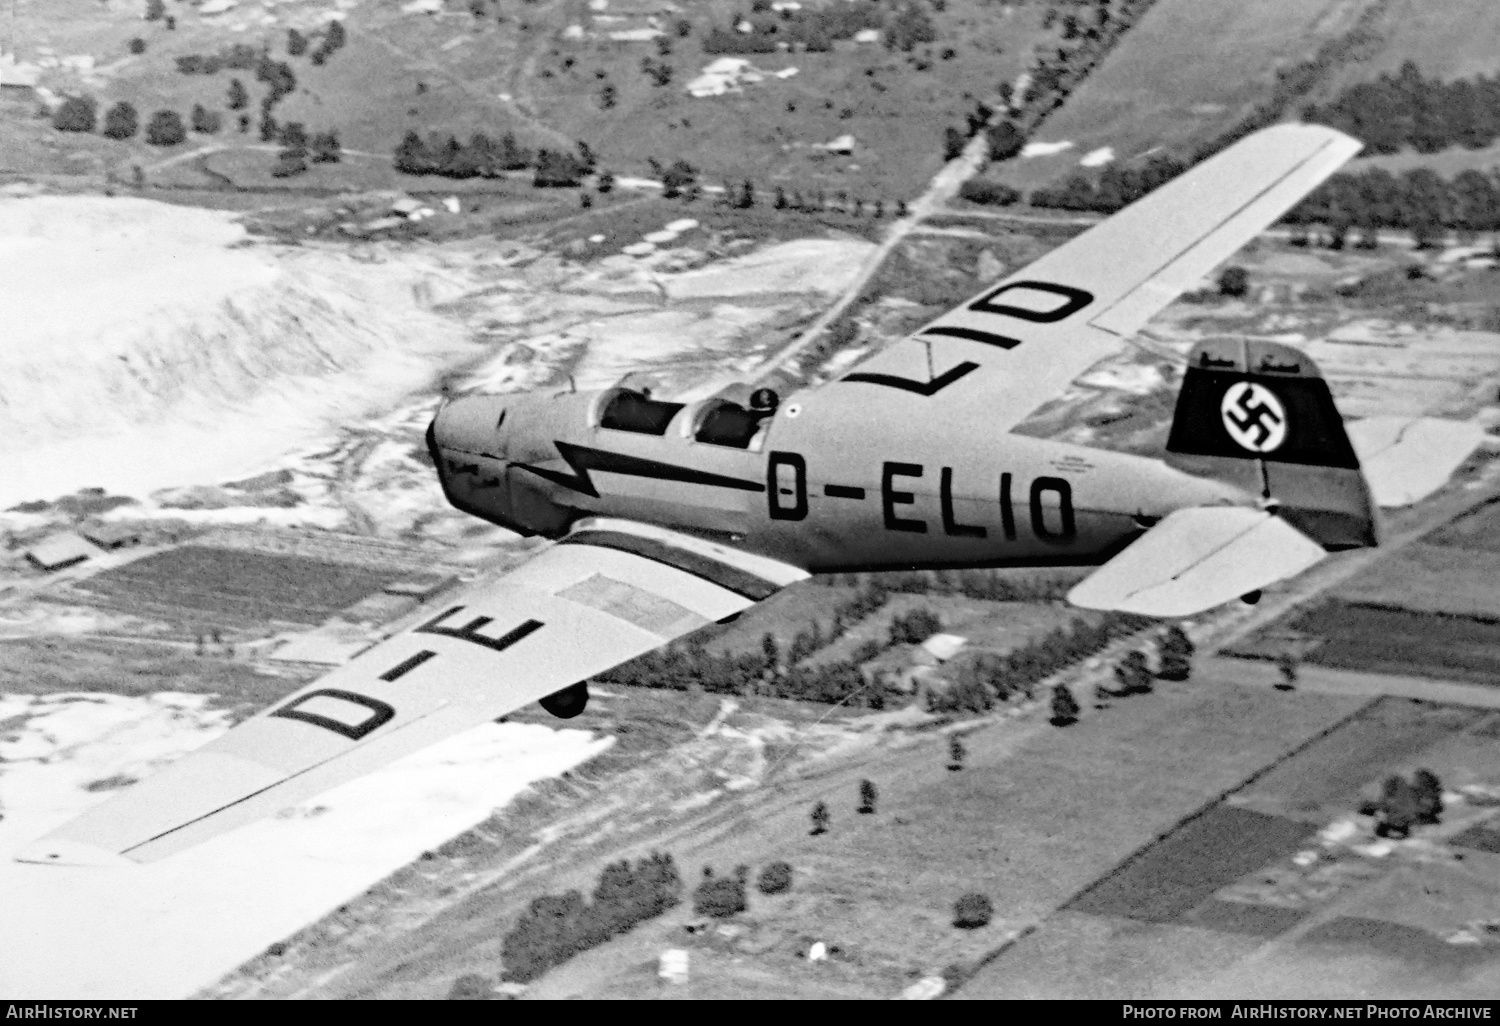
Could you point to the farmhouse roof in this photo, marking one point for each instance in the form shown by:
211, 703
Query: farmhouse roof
18, 75
59, 550
112, 536
943, 647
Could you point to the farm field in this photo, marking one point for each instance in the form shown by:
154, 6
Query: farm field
1220, 907
241, 586
1188, 70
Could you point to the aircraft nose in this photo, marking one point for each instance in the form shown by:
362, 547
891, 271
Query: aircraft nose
470, 424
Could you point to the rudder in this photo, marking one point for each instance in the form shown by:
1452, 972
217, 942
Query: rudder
1259, 415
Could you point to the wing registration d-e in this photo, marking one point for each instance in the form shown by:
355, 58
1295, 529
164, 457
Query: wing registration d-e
669, 516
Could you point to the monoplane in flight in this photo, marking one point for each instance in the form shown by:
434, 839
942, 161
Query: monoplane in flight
670, 516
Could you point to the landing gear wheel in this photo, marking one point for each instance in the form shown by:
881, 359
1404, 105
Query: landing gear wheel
568, 702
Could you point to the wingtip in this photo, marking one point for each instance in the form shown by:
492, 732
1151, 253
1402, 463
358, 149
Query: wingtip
50, 851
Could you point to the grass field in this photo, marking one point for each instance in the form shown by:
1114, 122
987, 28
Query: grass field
1452, 39
1431, 578
1189, 69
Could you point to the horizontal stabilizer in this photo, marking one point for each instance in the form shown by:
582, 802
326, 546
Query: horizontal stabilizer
1195, 559
1406, 459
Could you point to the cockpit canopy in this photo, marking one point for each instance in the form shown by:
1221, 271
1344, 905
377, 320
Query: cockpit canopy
732, 417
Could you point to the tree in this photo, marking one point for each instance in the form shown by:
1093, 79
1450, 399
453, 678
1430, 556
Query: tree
296, 43
156, 10
1234, 282
412, 156
953, 143
720, 897
1064, 706
325, 148
557, 169
1400, 808
76, 114
820, 819
165, 129
771, 651
972, 911
1429, 795
1005, 139
745, 199
121, 122
775, 878
1286, 665
289, 163
293, 138
1176, 654
137, 45
956, 753
333, 39
867, 796
1132, 674
239, 98
677, 178
605, 182
205, 121
608, 96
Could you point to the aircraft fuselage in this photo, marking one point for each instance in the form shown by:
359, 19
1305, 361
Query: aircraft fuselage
810, 485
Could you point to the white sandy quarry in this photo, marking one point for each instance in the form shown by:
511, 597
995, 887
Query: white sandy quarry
165, 929
141, 351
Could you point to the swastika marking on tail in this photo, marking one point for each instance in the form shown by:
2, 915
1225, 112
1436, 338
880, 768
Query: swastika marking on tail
1254, 417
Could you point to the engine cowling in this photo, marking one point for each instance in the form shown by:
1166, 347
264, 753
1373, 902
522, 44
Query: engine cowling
568, 702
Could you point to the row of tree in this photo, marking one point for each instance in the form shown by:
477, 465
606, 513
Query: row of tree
1408, 109
1419, 201
122, 121
1111, 189
984, 678
557, 927
481, 157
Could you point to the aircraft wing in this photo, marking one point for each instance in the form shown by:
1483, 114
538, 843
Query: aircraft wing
607, 592
1019, 343
1406, 459
1198, 558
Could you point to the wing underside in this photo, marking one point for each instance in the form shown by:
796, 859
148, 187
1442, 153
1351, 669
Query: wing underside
1020, 343
608, 592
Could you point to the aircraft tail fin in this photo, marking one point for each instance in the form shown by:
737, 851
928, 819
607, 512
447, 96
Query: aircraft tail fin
1259, 415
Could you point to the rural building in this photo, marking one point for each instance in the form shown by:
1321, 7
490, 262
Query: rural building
940, 648
60, 550
217, 6
638, 35
112, 536
725, 75
844, 144
18, 76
